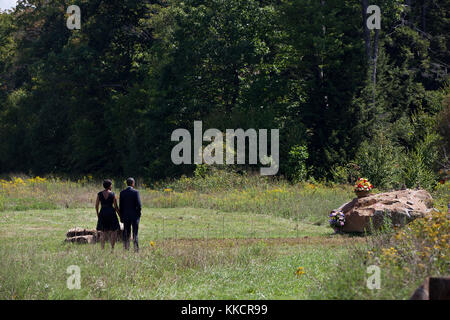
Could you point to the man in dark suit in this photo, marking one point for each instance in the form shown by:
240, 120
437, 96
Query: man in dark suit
130, 213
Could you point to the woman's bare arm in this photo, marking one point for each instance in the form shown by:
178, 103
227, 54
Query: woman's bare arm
97, 202
116, 207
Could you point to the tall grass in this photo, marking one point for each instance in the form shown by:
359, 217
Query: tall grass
405, 258
34, 259
24, 193
306, 202
222, 191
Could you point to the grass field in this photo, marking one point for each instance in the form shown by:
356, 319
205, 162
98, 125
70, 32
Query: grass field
183, 263
262, 241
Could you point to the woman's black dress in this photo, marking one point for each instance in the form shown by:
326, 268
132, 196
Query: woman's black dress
107, 218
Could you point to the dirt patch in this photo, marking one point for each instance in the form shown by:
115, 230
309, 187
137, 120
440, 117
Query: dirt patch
39, 228
224, 243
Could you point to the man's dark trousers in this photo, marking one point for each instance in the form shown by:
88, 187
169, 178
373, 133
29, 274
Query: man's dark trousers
127, 226
130, 214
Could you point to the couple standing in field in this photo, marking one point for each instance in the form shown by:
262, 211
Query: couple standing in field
128, 210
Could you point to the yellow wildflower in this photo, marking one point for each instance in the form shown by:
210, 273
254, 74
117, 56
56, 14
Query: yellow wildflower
300, 271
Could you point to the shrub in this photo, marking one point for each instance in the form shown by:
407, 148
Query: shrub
441, 195
296, 170
418, 164
378, 161
201, 170
345, 174
443, 123
405, 258
415, 171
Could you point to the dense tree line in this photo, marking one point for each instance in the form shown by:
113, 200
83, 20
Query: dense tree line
105, 99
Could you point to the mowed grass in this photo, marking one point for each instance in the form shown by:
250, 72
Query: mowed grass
197, 254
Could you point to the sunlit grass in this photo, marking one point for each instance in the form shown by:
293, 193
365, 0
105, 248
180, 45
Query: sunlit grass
202, 240
405, 257
182, 263
301, 202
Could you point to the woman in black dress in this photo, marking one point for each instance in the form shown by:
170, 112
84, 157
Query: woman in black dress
107, 224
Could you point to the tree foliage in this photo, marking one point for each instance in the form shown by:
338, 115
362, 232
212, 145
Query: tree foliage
105, 99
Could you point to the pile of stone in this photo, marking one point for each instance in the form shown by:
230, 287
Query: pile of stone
400, 207
80, 235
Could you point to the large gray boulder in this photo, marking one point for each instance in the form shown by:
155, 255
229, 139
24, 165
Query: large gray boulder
401, 207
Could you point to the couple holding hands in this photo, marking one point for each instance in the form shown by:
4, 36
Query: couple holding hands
128, 210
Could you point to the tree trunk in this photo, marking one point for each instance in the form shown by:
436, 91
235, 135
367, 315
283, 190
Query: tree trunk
424, 16
322, 53
374, 62
235, 89
372, 56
